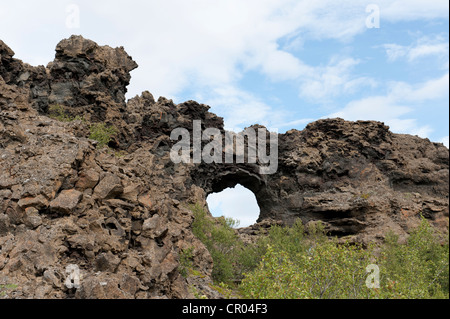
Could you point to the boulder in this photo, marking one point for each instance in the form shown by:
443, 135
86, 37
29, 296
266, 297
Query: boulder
109, 186
87, 179
66, 201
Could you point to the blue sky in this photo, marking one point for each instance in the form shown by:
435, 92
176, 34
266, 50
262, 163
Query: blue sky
281, 63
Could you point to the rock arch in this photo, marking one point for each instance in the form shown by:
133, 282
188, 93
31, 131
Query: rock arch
345, 175
216, 179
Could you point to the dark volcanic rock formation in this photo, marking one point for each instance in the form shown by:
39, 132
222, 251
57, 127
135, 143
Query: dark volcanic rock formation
121, 214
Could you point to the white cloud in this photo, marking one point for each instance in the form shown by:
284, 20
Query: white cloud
208, 47
445, 141
383, 109
277, 65
239, 107
294, 123
396, 104
373, 108
408, 10
409, 126
325, 82
177, 41
238, 203
423, 47
198, 45
429, 90
204, 43
422, 50
395, 51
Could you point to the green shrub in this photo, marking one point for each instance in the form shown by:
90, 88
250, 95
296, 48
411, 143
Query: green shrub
225, 290
221, 241
303, 262
365, 195
57, 112
102, 133
186, 256
5, 288
248, 257
324, 270
417, 269
276, 277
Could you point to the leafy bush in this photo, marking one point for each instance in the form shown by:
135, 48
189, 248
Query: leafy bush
418, 269
221, 241
186, 264
318, 268
299, 262
101, 133
57, 112
276, 277
5, 288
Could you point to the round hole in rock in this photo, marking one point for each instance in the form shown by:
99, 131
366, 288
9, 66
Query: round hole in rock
238, 203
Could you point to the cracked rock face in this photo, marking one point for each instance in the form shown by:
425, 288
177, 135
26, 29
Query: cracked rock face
121, 215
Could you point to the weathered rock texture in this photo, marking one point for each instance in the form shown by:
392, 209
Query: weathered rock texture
123, 217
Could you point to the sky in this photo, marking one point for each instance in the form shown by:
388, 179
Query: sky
282, 64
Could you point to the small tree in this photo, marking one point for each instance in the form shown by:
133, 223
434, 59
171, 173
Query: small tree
102, 133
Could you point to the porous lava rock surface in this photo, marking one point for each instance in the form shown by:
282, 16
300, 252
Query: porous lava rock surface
122, 214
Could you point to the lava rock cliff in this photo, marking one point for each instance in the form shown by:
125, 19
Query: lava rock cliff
121, 214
